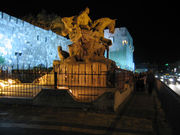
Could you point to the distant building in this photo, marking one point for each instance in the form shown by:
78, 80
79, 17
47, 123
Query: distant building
142, 67
122, 48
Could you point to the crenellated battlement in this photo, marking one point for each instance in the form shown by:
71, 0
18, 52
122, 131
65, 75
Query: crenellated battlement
11, 19
15, 22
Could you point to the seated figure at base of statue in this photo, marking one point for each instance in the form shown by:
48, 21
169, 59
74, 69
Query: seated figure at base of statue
62, 54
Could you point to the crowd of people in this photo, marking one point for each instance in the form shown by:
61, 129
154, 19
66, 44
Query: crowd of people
144, 81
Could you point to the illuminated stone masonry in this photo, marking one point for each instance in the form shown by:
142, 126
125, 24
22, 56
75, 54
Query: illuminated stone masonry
24, 45
122, 48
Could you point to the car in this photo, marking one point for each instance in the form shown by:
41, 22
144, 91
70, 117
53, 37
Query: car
3, 83
178, 80
171, 79
6, 83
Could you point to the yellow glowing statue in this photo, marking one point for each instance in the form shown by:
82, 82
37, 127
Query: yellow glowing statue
87, 36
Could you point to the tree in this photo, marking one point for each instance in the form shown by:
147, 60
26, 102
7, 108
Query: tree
2, 60
44, 20
57, 25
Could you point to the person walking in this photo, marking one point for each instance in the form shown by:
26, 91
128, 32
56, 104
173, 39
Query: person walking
150, 82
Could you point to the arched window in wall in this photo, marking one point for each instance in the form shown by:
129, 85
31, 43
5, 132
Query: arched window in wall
124, 42
37, 37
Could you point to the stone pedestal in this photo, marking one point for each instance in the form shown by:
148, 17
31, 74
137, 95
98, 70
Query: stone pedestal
94, 74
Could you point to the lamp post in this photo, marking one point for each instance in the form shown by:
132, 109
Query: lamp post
17, 54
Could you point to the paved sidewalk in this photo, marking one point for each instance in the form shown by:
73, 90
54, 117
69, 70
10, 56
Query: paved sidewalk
141, 115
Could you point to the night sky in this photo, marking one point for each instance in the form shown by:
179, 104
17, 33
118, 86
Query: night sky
152, 24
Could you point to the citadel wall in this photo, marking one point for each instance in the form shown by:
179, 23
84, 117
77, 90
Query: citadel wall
37, 46
122, 48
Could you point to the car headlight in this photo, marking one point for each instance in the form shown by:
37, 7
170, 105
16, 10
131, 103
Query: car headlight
3, 85
171, 79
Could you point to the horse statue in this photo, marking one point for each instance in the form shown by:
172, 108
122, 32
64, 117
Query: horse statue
87, 36
100, 24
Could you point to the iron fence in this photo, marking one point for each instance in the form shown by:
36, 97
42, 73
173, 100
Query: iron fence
83, 86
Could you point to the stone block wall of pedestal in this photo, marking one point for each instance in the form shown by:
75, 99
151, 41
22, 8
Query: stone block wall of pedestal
82, 74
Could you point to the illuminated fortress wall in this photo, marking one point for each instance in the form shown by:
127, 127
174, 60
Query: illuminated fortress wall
122, 48
37, 46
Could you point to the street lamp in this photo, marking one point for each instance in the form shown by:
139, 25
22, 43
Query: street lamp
17, 54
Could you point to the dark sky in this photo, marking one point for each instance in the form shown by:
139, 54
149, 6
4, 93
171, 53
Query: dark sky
152, 24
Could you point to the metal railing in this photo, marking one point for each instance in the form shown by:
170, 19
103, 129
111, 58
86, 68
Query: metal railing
19, 83
82, 86
170, 102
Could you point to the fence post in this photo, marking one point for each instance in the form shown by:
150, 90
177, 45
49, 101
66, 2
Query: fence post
55, 80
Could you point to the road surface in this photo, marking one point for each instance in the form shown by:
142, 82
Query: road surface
174, 87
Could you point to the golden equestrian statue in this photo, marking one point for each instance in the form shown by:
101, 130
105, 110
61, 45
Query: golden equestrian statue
87, 36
